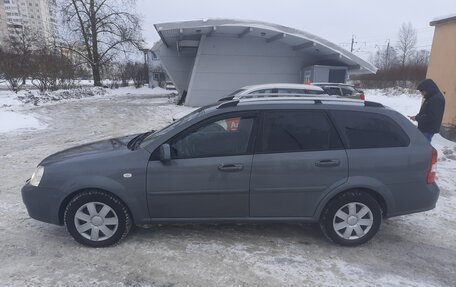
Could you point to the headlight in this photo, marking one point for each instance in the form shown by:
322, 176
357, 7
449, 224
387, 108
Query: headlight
37, 175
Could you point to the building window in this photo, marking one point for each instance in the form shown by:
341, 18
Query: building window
307, 76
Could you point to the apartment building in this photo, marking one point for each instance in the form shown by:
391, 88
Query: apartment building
3, 21
34, 16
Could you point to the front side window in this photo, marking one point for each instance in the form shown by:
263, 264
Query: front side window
236, 92
370, 130
222, 137
295, 131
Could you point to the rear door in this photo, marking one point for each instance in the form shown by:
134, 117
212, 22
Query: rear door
299, 156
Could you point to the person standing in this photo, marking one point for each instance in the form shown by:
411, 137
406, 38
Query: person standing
431, 112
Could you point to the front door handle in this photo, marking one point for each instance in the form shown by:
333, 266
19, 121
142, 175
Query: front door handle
327, 163
231, 167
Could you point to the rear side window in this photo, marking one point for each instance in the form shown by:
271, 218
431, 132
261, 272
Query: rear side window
333, 91
295, 131
348, 91
300, 91
370, 130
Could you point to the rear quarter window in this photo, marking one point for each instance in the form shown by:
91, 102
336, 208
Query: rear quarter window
369, 130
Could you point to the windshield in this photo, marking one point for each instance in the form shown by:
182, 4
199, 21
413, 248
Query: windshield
177, 123
236, 92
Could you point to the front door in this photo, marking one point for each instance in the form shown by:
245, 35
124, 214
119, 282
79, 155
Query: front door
299, 157
209, 173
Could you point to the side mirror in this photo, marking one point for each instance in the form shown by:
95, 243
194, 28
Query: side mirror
165, 152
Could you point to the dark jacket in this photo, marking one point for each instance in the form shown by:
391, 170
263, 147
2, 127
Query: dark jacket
431, 113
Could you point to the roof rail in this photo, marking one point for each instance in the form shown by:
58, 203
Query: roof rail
293, 97
228, 104
309, 100
281, 95
272, 95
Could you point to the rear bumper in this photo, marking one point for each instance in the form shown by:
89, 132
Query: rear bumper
423, 201
42, 203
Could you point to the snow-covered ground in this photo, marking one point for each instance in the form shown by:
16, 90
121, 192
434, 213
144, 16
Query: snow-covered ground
413, 250
14, 107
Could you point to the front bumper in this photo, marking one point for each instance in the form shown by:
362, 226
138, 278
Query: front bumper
42, 203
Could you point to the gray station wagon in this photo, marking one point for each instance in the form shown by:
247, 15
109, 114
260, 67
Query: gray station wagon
344, 164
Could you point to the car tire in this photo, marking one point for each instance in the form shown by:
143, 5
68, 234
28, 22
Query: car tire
97, 219
351, 219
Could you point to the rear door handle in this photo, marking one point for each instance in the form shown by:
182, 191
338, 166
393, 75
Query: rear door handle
327, 163
231, 167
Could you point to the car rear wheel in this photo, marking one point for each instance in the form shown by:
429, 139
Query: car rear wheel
351, 219
97, 219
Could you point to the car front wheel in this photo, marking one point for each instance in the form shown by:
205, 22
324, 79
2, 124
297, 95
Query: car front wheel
97, 219
351, 219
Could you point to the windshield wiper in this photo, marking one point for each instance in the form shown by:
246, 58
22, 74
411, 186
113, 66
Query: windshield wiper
137, 140
132, 143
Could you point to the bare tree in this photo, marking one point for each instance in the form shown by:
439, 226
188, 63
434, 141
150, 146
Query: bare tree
385, 57
99, 29
50, 70
406, 43
140, 75
15, 61
420, 58
11, 70
21, 43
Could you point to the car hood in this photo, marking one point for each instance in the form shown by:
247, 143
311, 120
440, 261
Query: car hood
90, 149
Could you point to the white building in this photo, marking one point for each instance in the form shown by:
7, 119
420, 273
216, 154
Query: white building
35, 16
208, 59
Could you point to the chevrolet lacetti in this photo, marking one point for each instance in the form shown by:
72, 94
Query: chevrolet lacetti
344, 164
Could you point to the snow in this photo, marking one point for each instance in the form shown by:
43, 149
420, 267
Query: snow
453, 15
14, 108
12, 121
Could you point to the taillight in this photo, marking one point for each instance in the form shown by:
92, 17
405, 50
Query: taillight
362, 97
431, 174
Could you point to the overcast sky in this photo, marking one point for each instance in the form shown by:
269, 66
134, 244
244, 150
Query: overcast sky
372, 22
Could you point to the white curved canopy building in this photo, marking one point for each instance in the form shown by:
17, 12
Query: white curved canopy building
208, 59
